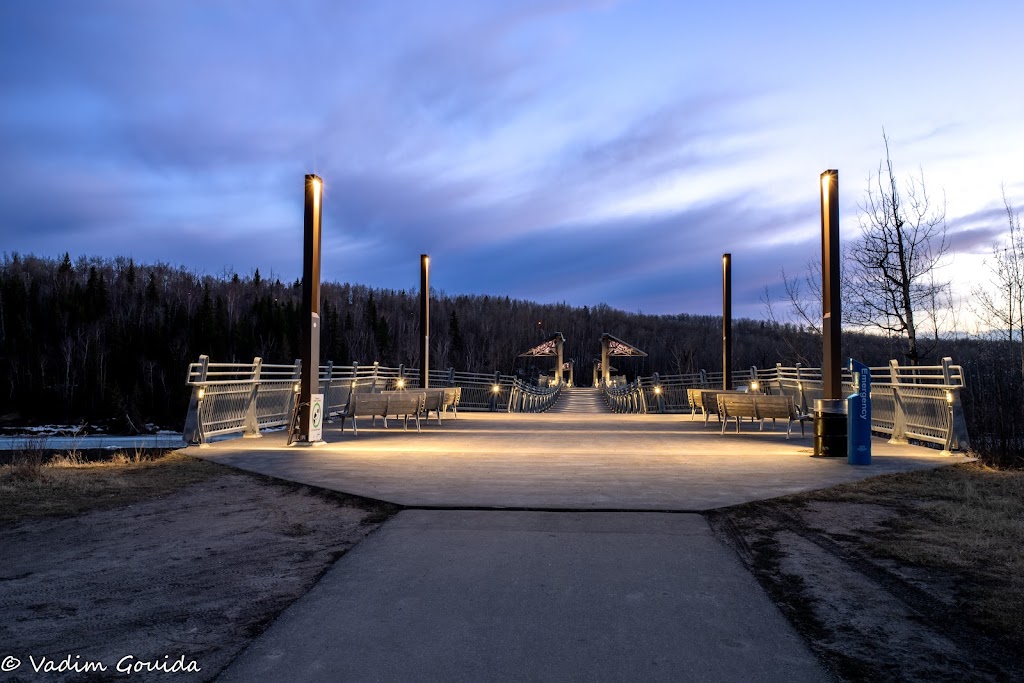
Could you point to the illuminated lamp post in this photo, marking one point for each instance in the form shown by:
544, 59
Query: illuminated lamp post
424, 321
830, 410
310, 421
726, 322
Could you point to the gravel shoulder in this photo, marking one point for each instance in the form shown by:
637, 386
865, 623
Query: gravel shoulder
193, 574
910, 577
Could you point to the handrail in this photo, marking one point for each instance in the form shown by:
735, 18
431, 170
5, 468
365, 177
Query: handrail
247, 398
628, 398
908, 403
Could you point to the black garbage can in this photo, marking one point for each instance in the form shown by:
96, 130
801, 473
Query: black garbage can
830, 428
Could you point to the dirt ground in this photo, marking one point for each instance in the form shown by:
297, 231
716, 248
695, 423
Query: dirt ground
195, 574
837, 564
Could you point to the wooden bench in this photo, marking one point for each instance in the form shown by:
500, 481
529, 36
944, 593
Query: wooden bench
434, 400
452, 396
759, 407
694, 401
399, 404
709, 402
735, 406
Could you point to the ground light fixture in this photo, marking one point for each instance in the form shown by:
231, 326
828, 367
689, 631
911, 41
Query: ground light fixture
495, 388
754, 385
400, 383
657, 391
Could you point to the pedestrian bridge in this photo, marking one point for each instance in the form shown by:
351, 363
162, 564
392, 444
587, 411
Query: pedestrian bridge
916, 404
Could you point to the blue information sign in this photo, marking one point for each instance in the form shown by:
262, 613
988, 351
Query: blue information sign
858, 415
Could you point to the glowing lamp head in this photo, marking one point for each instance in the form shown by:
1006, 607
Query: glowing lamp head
657, 390
949, 397
755, 385
495, 388
400, 383
201, 393
295, 387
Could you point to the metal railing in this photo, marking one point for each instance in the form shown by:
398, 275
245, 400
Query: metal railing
529, 398
625, 398
247, 398
914, 403
908, 403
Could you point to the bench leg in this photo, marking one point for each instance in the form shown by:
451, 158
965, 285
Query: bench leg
355, 430
417, 423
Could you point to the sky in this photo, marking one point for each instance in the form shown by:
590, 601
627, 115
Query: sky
552, 150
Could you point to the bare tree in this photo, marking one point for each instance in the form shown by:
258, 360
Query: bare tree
1002, 307
890, 280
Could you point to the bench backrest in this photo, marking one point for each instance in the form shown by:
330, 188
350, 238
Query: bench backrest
709, 399
734, 404
406, 403
367, 404
775, 407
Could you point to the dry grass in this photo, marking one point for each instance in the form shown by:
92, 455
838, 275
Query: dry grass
965, 519
66, 485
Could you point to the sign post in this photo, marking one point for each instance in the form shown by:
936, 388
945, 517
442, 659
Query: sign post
858, 415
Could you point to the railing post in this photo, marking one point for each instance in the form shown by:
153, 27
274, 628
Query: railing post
193, 431
252, 424
899, 420
661, 393
294, 396
327, 391
494, 395
355, 378
703, 379
800, 388
376, 369
958, 439
778, 376
451, 377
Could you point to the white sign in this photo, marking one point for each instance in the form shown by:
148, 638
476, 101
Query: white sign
316, 418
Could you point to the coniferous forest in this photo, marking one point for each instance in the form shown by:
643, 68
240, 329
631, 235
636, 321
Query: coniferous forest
101, 339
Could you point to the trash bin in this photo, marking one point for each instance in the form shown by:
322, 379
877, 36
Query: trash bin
830, 428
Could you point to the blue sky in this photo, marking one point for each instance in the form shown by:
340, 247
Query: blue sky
589, 152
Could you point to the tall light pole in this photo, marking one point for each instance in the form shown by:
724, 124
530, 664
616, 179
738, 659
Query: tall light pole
830, 427
726, 322
310, 416
424, 321
831, 313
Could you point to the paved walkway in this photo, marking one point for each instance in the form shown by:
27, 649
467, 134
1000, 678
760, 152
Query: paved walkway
567, 461
492, 595
537, 596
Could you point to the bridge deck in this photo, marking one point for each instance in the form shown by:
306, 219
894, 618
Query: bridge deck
563, 461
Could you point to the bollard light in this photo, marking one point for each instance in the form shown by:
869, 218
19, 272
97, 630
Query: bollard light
495, 388
657, 390
296, 387
755, 385
949, 397
400, 383
201, 393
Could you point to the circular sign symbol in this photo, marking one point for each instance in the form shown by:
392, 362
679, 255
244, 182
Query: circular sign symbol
318, 414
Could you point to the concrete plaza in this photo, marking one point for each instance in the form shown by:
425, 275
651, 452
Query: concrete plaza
564, 462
